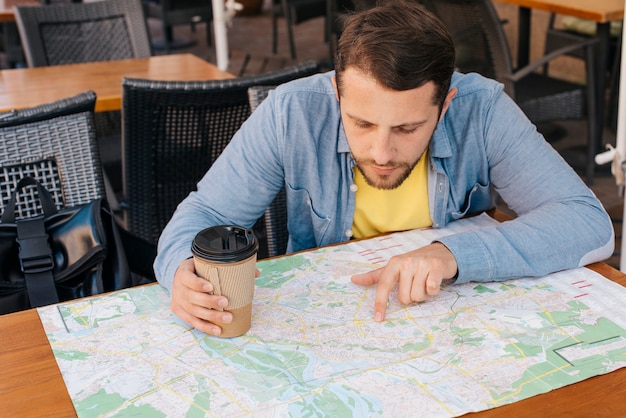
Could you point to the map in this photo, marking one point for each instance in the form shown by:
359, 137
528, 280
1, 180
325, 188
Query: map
314, 349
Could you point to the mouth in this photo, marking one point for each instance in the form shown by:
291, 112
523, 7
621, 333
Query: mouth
383, 170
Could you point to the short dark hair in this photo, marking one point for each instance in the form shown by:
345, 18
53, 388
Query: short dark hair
399, 43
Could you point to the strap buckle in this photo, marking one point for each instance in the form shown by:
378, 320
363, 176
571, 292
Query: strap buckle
35, 255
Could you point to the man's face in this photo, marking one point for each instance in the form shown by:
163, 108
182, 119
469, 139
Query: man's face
387, 130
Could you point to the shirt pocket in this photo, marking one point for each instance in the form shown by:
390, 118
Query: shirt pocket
307, 226
479, 199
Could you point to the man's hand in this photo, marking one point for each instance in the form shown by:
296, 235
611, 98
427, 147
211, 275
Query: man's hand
193, 303
418, 273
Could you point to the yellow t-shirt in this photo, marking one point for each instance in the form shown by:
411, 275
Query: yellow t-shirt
406, 207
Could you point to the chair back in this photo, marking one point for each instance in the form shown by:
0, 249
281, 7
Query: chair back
56, 144
83, 32
173, 131
480, 42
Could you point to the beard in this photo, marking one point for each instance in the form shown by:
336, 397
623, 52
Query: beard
386, 182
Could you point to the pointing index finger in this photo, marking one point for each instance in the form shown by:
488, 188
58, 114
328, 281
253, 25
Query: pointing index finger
386, 281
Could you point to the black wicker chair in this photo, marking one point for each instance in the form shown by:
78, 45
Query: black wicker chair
482, 47
180, 12
172, 133
83, 32
52, 142
56, 144
295, 12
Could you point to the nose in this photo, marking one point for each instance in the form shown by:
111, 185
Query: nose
382, 149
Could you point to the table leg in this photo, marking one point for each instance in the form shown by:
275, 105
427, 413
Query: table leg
603, 32
523, 37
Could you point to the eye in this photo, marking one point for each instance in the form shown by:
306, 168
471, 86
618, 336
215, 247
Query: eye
407, 130
362, 125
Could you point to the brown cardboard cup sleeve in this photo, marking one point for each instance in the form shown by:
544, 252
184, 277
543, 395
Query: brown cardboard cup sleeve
226, 255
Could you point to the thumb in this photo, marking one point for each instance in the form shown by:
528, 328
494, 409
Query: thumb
367, 279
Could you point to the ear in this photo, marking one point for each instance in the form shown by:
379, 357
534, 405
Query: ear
447, 101
334, 81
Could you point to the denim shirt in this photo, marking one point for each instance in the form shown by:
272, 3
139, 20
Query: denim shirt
483, 146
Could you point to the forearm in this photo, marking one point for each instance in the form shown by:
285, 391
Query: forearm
554, 237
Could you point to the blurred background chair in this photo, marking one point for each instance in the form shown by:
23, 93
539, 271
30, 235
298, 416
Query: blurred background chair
336, 10
573, 30
180, 12
482, 47
12, 45
173, 132
85, 32
53, 142
60, 1
295, 12
56, 144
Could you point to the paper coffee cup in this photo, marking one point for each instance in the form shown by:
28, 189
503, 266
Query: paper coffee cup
226, 255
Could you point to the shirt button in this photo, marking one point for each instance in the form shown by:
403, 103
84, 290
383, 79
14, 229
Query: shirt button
354, 188
349, 233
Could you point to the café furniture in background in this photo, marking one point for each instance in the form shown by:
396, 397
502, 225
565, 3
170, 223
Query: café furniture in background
573, 29
178, 12
83, 32
25, 87
56, 144
10, 37
157, 128
482, 47
294, 12
603, 12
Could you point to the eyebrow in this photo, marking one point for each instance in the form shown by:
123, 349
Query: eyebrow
416, 124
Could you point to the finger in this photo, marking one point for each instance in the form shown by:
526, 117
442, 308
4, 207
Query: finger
367, 279
433, 285
407, 285
199, 324
186, 274
198, 315
388, 278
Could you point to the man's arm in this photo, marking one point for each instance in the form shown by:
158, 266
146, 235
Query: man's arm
561, 224
236, 190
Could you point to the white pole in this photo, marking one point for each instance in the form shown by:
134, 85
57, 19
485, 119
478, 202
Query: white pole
221, 39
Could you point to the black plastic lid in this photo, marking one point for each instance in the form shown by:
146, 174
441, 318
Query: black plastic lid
224, 244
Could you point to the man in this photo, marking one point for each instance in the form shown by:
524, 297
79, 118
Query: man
394, 140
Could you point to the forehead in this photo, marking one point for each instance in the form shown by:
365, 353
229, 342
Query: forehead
362, 96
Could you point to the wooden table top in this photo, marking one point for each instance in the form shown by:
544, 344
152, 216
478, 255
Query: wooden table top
32, 385
27, 87
600, 11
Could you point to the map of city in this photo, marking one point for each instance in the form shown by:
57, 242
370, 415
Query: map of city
314, 349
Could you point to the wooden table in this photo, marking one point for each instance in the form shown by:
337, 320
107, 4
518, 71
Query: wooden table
31, 384
26, 87
600, 11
